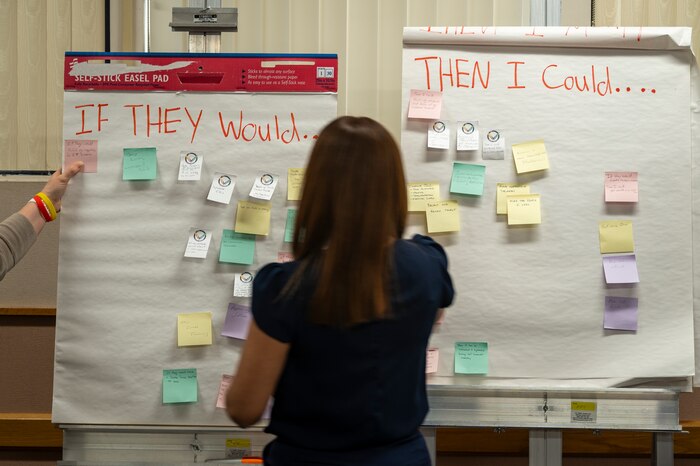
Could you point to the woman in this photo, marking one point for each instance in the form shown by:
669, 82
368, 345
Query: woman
339, 335
19, 231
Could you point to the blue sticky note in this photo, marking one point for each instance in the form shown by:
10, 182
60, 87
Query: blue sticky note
139, 164
289, 226
471, 357
237, 248
179, 385
467, 178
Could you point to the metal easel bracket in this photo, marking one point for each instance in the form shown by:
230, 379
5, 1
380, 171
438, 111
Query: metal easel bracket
204, 22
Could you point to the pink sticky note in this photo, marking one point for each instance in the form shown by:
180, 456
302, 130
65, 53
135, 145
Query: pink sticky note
431, 360
226, 381
79, 149
425, 104
620, 313
237, 321
621, 187
621, 269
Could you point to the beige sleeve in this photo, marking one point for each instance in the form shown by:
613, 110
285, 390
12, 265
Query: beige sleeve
16, 237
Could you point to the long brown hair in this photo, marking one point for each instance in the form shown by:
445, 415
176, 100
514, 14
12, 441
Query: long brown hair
353, 207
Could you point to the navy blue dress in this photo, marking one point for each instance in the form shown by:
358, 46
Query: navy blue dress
355, 395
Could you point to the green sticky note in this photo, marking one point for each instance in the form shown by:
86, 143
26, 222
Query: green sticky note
289, 226
139, 163
179, 385
471, 357
237, 248
467, 178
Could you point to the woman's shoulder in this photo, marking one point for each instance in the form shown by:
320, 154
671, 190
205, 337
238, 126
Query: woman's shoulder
421, 246
274, 274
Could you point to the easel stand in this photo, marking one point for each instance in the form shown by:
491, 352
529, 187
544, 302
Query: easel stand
546, 413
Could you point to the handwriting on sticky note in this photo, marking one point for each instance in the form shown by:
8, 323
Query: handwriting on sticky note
471, 358
620, 313
295, 181
524, 209
530, 156
621, 187
421, 193
139, 164
503, 190
194, 329
431, 360
81, 150
179, 385
253, 218
467, 178
620, 269
425, 104
442, 216
226, 381
615, 236
237, 248
237, 321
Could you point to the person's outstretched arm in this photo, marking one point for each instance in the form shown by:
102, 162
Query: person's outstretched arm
19, 231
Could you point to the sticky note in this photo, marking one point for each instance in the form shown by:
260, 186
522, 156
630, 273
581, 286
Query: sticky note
139, 164
284, 256
253, 218
190, 166
438, 135
289, 225
198, 240
295, 182
425, 104
237, 321
194, 329
467, 178
420, 193
226, 381
221, 188
84, 150
238, 448
620, 313
615, 236
264, 186
243, 285
237, 248
431, 360
524, 209
493, 146
621, 187
471, 357
442, 216
620, 269
467, 135
503, 190
530, 156
179, 385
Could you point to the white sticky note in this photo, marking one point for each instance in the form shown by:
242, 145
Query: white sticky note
493, 146
264, 186
198, 241
467, 135
221, 188
438, 135
190, 166
243, 285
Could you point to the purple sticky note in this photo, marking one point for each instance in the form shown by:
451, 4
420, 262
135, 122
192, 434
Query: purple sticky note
621, 269
237, 321
620, 313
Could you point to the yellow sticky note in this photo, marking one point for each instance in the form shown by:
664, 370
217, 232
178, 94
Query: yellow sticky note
530, 156
420, 193
252, 218
442, 216
194, 329
295, 181
524, 209
616, 236
505, 189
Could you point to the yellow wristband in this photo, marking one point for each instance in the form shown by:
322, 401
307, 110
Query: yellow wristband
49, 205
